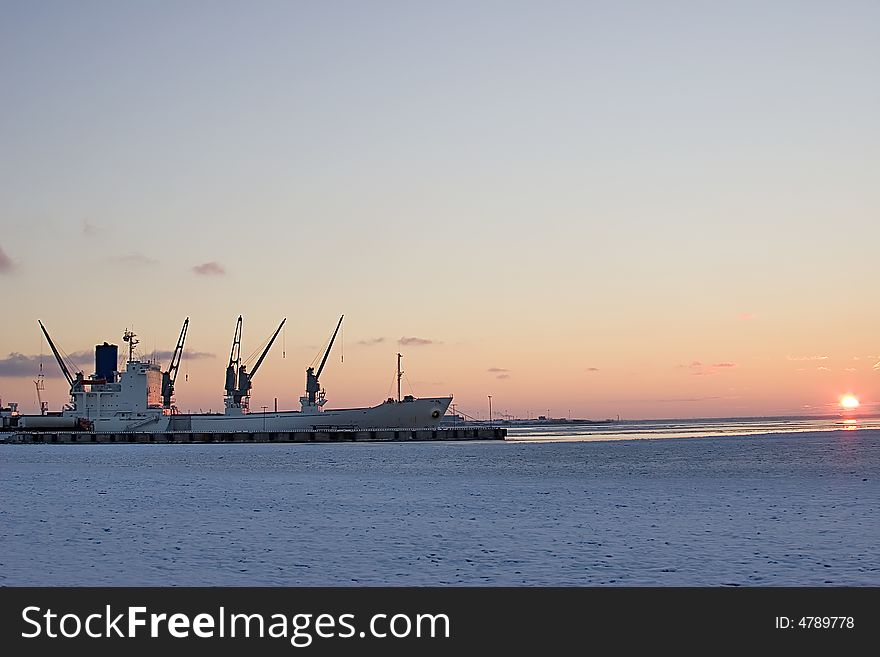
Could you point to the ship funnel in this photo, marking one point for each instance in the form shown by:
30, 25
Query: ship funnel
105, 362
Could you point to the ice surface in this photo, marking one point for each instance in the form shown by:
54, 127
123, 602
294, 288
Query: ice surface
784, 509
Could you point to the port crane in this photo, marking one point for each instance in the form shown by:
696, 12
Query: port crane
170, 375
238, 379
313, 388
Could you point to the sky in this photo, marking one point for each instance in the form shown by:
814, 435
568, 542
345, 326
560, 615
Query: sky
583, 209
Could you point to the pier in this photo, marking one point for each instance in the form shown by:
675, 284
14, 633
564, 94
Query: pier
191, 437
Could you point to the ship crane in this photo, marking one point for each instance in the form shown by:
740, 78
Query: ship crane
244, 377
170, 376
238, 379
313, 388
234, 360
64, 369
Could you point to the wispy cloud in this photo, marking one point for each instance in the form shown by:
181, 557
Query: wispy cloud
876, 365
497, 369
135, 259
850, 369
369, 342
698, 369
797, 358
16, 364
592, 369
746, 317
211, 268
821, 368
166, 354
89, 229
6, 264
415, 342
503, 376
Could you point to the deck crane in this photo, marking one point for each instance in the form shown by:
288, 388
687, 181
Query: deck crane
234, 360
238, 379
312, 385
170, 376
244, 377
64, 369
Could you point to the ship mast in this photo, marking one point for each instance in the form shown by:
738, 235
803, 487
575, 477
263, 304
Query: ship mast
41, 386
129, 337
399, 375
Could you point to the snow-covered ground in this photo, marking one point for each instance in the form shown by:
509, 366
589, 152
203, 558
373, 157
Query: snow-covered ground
784, 509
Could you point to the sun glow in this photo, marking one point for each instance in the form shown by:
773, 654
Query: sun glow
849, 402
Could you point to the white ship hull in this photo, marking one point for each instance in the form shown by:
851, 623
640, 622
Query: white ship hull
422, 413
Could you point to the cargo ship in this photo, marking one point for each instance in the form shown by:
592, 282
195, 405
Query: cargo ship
140, 399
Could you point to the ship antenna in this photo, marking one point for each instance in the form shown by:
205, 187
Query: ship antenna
399, 375
129, 337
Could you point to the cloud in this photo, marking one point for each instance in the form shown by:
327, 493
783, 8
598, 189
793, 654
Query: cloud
6, 264
497, 369
369, 342
698, 369
592, 369
876, 365
135, 259
16, 364
166, 354
209, 269
89, 229
415, 342
746, 317
850, 369
503, 376
806, 357
823, 369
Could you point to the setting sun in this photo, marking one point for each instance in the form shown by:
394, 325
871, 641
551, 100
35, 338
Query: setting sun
849, 402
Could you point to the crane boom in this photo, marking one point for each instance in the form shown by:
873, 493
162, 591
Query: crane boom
244, 377
329, 347
268, 347
234, 360
170, 376
312, 385
60, 360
